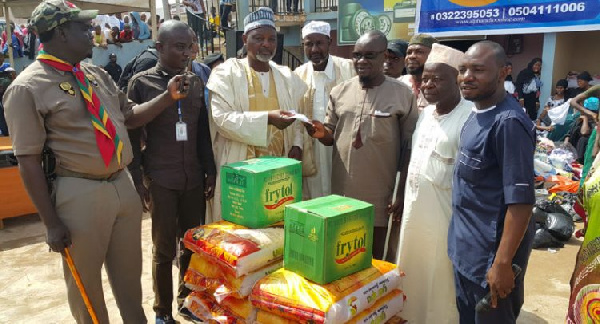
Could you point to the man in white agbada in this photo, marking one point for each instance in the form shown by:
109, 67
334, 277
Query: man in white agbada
422, 249
321, 74
250, 103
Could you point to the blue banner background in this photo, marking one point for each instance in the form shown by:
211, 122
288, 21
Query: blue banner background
507, 16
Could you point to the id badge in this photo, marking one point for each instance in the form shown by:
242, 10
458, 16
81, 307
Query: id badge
181, 132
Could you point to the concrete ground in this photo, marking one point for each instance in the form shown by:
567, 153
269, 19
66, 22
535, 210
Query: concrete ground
32, 289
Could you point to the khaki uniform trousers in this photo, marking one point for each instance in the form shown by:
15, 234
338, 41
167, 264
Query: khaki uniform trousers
104, 218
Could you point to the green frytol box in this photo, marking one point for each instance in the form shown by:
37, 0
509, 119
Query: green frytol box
254, 192
328, 238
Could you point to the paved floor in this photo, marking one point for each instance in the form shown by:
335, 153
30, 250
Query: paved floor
32, 288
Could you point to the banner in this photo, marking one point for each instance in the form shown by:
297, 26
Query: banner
493, 17
395, 18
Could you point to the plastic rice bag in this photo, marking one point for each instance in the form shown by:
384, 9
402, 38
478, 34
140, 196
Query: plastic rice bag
263, 317
239, 307
383, 310
291, 296
237, 249
206, 309
204, 273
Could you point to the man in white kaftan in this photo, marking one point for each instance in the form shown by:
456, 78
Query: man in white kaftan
250, 99
422, 249
321, 74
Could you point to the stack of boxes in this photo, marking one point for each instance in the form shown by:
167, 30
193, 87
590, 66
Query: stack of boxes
231, 255
328, 273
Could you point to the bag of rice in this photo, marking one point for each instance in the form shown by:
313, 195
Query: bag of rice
206, 309
383, 310
235, 248
239, 307
204, 273
287, 294
263, 317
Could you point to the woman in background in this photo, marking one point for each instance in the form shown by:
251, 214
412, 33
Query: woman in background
509, 85
528, 87
584, 303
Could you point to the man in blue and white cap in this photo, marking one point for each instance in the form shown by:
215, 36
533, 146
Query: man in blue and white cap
250, 101
321, 74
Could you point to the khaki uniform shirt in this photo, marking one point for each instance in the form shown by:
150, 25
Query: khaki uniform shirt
386, 116
39, 112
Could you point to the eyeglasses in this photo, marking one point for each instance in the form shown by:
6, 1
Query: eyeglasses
367, 56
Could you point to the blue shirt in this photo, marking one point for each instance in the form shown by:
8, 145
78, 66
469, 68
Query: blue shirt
203, 72
494, 170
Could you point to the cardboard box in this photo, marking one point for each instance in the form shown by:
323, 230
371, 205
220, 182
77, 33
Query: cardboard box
255, 192
328, 238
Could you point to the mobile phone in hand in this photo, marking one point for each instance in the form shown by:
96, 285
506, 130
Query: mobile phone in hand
485, 304
182, 82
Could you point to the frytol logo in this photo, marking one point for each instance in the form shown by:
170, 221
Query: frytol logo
347, 250
277, 197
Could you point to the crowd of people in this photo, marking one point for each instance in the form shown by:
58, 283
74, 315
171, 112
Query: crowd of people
23, 42
118, 29
426, 133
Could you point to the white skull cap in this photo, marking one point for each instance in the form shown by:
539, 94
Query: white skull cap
316, 27
445, 54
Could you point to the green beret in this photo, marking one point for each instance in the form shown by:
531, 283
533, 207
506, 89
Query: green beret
423, 39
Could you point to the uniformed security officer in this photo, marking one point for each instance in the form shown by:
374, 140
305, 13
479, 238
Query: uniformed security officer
75, 110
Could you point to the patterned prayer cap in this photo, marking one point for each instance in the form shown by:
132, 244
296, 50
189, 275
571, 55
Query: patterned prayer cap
53, 13
445, 54
398, 47
263, 17
316, 27
422, 39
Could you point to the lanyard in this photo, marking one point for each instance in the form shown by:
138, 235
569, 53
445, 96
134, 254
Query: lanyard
179, 110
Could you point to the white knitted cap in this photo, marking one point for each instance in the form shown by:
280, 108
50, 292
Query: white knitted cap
445, 54
316, 27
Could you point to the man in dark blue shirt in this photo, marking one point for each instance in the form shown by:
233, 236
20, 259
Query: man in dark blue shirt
493, 193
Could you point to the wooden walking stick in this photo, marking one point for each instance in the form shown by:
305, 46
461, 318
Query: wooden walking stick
403, 148
79, 283
390, 218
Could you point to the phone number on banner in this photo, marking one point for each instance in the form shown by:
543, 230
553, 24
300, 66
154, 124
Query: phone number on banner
510, 12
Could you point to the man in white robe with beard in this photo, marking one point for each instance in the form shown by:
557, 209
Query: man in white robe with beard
422, 249
250, 101
323, 72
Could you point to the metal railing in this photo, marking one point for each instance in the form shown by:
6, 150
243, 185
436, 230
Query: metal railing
210, 35
290, 60
326, 5
280, 7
